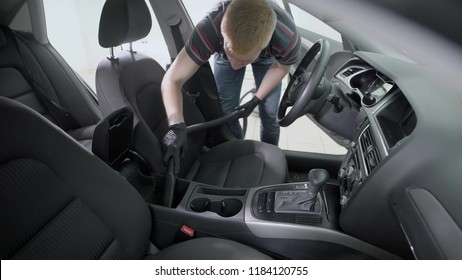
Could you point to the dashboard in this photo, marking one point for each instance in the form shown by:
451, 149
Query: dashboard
400, 180
387, 118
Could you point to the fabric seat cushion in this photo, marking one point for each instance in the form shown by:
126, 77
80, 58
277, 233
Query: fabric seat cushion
58, 200
209, 248
83, 135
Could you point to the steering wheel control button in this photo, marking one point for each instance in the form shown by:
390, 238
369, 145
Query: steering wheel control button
296, 83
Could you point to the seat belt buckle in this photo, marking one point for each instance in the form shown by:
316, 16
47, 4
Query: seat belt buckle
193, 96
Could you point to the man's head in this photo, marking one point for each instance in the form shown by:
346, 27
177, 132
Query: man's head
247, 28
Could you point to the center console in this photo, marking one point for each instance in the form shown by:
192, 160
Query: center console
288, 203
296, 220
312, 203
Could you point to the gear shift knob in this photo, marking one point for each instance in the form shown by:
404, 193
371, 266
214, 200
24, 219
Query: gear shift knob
317, 178
304, 200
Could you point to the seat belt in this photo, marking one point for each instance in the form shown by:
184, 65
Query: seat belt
179, 44
62, 117
177, 38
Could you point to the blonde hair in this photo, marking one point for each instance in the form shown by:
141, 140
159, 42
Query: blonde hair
247, 25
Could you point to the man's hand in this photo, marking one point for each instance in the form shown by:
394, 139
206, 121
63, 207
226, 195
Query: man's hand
174, 143
247, 108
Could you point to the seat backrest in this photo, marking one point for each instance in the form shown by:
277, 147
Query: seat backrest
53, 208
134, 80
34, 74
27, 65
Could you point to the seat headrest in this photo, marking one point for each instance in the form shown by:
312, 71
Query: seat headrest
123, 21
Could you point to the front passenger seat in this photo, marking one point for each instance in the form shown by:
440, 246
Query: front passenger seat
134, 80
58, 201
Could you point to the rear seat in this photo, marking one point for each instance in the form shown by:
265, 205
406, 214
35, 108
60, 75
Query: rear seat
35, 75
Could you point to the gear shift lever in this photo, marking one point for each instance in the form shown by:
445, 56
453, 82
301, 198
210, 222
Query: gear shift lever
302, 200
317, 178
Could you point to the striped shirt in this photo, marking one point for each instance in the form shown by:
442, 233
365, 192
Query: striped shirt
207, 39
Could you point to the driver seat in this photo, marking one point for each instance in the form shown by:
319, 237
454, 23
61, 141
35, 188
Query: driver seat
134, 80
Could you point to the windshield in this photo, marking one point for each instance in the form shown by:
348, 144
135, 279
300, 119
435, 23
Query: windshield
374, 29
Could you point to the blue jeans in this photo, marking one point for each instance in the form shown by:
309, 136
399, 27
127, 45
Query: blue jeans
229, 84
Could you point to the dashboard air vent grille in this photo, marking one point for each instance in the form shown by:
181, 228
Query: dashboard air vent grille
350, 71
369, 148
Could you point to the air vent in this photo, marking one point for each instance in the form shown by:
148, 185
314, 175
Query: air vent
308, 219
369, 148
350, 71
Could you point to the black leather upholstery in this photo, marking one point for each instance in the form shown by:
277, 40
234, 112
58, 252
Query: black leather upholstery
8, 10
26, 66
134, 80
2, 40
127, 22
83, 135
113, 137
240, 164
59, 201
108, 76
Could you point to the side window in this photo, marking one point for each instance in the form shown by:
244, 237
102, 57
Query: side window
197, 12
72, 28
304, 134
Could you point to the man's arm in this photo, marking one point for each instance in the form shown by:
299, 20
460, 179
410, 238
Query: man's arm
179, 72
272, 78
175, 139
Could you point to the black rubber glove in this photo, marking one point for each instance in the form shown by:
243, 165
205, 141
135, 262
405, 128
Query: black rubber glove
247, 108
174, 143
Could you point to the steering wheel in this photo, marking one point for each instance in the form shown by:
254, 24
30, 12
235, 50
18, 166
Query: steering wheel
303, 84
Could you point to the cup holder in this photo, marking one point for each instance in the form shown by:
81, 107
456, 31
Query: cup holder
226, 208
200, 204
